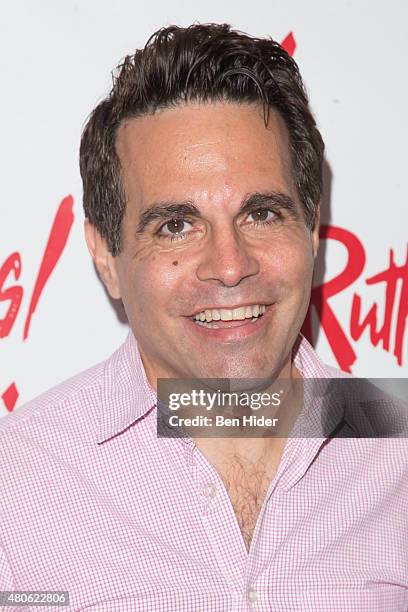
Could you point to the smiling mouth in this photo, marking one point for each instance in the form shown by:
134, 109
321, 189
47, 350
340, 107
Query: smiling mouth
218, 318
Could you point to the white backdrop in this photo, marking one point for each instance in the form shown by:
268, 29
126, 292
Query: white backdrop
55, 63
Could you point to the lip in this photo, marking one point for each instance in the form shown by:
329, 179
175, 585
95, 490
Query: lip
229, 307
233, 334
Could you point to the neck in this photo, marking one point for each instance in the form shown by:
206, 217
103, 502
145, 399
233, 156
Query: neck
270, 445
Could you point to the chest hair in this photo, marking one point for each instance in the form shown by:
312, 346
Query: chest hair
247, 484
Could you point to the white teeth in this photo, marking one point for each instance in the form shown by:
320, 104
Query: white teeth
234, 314
208, 325
238, 314
226, 315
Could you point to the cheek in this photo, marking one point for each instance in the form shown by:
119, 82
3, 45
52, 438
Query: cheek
300, 273
289, 267
155, 282
302, 268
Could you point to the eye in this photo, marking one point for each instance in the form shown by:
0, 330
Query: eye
262, 216
175, 229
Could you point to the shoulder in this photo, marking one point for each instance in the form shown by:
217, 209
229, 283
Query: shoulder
361, 404
68, 393
75, 399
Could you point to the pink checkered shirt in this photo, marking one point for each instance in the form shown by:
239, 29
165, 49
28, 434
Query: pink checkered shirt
94, 503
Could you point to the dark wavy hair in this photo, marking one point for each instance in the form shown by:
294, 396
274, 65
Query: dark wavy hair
205, 63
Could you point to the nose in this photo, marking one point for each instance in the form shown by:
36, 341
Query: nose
227, 259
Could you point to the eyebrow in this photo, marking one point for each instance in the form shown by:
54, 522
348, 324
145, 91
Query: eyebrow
170, 210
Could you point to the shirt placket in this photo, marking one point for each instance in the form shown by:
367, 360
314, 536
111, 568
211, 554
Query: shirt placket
223, 532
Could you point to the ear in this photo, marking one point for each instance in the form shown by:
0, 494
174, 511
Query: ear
315, 232
103, 259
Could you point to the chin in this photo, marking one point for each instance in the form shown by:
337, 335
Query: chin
243, 368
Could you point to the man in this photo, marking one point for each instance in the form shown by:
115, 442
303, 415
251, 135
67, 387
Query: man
202, 174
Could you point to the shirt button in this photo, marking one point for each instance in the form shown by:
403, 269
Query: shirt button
210, 491
252, 594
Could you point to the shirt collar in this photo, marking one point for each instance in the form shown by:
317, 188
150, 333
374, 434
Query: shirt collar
312, 429
127, 395
324, 401
308, 362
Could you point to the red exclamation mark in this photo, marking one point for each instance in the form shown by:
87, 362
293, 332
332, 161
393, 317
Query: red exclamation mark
10, 397
289, 43
57, 240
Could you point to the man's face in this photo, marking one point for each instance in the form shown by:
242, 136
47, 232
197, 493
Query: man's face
213, 225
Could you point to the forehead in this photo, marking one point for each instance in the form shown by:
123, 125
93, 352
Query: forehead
204, 148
